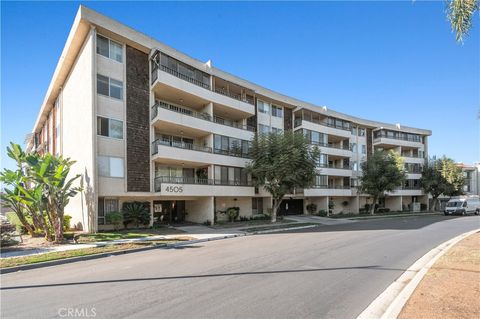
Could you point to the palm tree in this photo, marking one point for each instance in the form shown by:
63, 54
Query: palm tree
461, 13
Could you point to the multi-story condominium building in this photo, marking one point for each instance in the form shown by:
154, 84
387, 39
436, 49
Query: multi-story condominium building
472, 178
148, 123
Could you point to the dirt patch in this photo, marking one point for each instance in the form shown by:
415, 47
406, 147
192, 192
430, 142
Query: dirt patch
451, 288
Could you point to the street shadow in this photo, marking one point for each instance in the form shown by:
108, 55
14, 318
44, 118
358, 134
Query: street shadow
249, 273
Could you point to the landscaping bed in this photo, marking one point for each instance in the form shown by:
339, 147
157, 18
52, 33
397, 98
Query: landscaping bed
385, 214
126, 234
32, 259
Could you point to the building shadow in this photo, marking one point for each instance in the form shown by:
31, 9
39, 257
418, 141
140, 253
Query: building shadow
247, 273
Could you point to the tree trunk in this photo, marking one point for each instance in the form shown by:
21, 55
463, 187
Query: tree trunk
372, 209
25, 223
434, 203
276, 206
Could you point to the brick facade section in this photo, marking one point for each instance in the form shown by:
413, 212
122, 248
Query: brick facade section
287, 119
138, 125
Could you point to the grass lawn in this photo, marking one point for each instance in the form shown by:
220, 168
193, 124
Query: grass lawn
126, 234
17, 261
253, 222
276, 226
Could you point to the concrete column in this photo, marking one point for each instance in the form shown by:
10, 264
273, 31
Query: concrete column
355, 205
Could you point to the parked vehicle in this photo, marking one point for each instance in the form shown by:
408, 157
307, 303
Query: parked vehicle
463, 205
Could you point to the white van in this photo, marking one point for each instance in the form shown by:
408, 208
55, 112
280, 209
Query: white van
463, 205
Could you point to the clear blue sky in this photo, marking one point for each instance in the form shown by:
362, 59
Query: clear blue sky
390, 61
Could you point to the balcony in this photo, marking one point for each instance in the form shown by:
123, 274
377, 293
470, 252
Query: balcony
169, 151
324, 127
334, 149
204, 123
329, 190
385, 139
335, 170
191, 186
174, 78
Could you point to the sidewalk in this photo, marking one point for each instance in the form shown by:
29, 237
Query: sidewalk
451, 288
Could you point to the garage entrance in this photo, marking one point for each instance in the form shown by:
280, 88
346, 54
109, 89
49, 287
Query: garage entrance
291, 207
168, 211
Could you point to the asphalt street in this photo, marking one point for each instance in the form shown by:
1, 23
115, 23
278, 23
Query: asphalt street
324, 272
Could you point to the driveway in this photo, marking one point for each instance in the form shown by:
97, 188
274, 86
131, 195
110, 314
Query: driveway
324, 272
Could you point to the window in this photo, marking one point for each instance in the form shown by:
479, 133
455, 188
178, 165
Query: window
353, 147
277, 111
364, 149
230, 146
355, 166
225, 175
109, 127
262, 106
354, 130
109, 48
277, 130
110, 166
361, 132
321, 180
263, 129
109, 87
323, 160
105, 206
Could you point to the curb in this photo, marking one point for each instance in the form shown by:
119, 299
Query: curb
281, 229
108, 254
390, 302
135, 250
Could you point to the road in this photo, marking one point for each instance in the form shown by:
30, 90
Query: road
326, 272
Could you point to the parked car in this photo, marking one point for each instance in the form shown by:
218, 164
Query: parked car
463, 205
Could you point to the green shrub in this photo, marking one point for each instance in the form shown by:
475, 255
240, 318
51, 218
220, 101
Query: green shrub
383, 210
66, 222
207, 222
244, 218
233, 213
14, 220
260, 217
7, 232
137, 213
322, 212
311, 208
115, 219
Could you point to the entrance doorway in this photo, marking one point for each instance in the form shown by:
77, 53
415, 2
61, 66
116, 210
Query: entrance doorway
168, 211
291, 207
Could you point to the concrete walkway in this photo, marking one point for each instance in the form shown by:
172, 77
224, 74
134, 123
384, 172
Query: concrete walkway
196, 232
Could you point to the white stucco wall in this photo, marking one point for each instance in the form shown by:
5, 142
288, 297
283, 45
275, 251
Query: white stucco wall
78, 134
199, 210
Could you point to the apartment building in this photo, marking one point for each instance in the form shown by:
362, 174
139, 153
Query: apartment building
472, 178
148, 123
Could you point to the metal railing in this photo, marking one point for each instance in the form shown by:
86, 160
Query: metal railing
340, 147
298, 122
378, 136
187, 78
332, 186
182, 145
234, 152
413, 156
184, 77
346, 167
199, 115
193, 147
197, 181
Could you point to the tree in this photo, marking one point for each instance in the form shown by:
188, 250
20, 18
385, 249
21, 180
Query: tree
381, 172
453, 176
52, 174
441, 176
40, 188
461, 13
432, 181
282, 162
